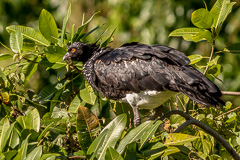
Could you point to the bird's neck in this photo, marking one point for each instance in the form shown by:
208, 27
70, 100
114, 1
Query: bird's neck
89, 51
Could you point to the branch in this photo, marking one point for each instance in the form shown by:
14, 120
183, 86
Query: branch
191, 120
231, 93
210, 58
228, 112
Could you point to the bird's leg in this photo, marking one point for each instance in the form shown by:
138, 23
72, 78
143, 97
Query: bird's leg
136, 116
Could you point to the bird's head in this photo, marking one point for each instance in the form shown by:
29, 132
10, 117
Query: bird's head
78, 51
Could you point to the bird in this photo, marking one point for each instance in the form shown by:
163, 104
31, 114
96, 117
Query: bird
145, 76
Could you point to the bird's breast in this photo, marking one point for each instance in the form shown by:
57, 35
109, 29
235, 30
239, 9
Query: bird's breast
148, 99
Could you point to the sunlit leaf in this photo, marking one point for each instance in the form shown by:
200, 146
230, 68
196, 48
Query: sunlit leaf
195, 58
185, 31
32, 120
220, 11
14, 138
231, 117
5, 56
44, 132
134, 135
214, 61
203, 35
30, 68
48, 26
54, 53
29, 33
5, 132
215, 70
97, 144
202, 18
179, 139
115, 129
22, 152
147, 135
16, 41
35, 154
112, 154
87, 96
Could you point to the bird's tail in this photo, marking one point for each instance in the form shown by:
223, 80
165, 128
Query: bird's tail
199, 88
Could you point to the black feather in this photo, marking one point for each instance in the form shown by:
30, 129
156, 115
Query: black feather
138, 67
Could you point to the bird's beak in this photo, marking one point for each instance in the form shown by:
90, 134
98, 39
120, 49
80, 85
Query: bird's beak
66, 57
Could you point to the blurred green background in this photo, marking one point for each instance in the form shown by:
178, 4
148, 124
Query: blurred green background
145, 21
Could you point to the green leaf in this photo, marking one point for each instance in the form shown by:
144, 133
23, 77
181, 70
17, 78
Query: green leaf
43, 133
32, 120
48, 27
106, 42
16, 41
5, 132
30, 68
50, 156
65, 20
203, 35
134, 135
22, 152
88, 96
214, 61
167, 151
86, 121
215, 70
74, 104
131, 151
220, 11
78, 35
29, 33
115, 130
185, 31
235, 49
54, 53
228, 105
203, 143
10, 154
112, 154
202, 18
97, 144
179, 139
5, 56
231, 117
195, 58
147, 135
35, 154
14, 139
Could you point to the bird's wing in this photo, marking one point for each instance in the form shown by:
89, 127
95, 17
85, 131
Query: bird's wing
143, 51
136, 67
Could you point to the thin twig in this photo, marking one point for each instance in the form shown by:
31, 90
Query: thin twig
211, 55
228, 112
209, 130
230, 93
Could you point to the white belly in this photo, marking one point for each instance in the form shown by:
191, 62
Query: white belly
148, 99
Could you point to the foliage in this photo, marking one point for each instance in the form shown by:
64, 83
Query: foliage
69, 119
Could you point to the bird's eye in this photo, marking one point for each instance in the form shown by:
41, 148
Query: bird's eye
73, 50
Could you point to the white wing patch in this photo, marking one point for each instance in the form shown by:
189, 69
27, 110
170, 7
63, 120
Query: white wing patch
148, 99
